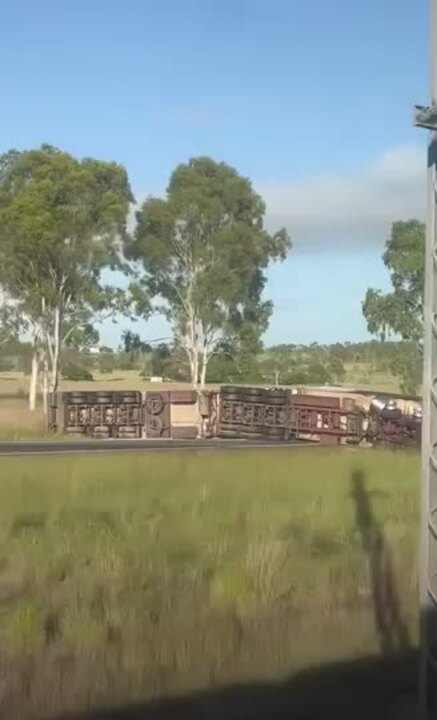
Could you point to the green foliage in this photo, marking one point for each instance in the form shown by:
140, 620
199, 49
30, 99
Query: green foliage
318, 374
106, 363
408, 367
165, 361
204, 252
298, 365
80, 337
135, 353
374, 364
7, 364
354, 364
401, 310
336, 369
74, 371
132, 343
126, 361
295, 377
15, 355
61, 221
222, 368
160, 360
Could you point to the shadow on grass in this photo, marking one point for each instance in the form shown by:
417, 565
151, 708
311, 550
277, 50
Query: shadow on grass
391, 628
381, 688
376, 688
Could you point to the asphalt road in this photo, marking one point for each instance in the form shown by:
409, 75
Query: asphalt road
66, 447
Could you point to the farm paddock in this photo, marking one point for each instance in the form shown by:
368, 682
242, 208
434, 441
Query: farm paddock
128, 578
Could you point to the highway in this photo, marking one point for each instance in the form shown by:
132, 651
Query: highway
91, 446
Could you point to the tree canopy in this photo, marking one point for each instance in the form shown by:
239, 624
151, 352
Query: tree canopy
400, 312
61, 222
204, 250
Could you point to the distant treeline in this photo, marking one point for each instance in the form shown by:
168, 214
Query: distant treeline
285, 364
338, 363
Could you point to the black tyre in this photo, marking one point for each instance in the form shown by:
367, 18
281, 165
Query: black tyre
75, 430
276, 400
254, 400
129, 400
72, 397
154, 403
127, 397
252, 430
275, 433
233, 394
128, 432
103, 398
253, 391
101, 431
278, 392
230, 426
228, 434
155, 425
231, 397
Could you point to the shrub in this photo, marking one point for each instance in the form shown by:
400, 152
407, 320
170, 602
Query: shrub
106, 363
318, 374
73, 371
7, 364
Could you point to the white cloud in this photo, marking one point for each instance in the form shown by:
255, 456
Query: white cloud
349, 210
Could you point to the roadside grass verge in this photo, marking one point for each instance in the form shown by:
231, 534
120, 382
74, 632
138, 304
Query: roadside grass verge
132, 576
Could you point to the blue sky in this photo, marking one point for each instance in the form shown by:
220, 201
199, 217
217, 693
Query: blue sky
311, 100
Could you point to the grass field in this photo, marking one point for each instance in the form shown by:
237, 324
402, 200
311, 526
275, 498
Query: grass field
363, 376
15, 384
136, 576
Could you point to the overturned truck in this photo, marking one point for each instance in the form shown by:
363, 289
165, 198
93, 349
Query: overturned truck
234, 412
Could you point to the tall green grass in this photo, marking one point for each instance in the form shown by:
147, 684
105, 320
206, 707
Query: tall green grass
129, 576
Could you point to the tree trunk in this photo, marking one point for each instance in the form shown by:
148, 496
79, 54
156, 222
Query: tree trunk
33, 385
193, 358
54, 379
195, 370
192, 350
34, 373
203, 372
45, 386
